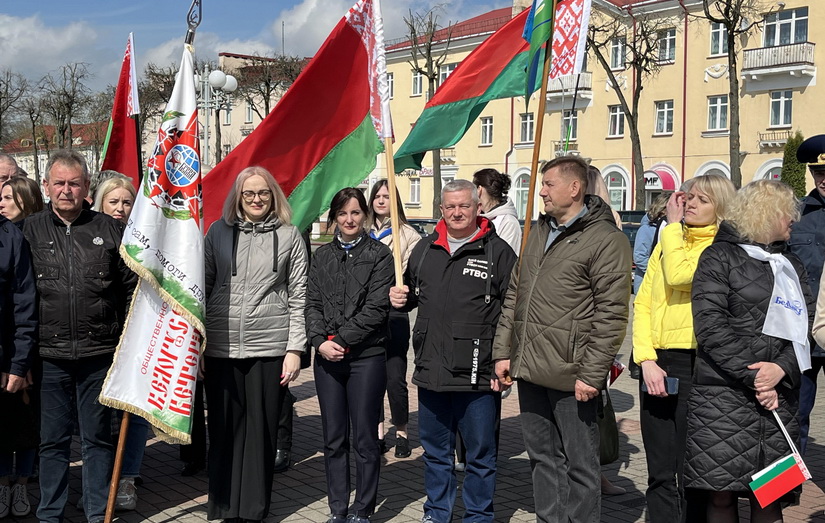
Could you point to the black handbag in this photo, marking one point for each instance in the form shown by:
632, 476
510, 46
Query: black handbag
608, 430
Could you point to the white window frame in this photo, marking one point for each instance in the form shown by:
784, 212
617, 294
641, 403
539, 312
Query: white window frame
664, 109
415, 191
719, 38
719, 121
792, 21
618, 53
781, 108
486, 130
445, 71
417, 84
666, 50
227, 116
615, 127
569, 119
249, 113
391, 84
527, 127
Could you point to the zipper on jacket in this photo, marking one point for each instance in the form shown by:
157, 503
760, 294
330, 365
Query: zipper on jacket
242, 326
72, 294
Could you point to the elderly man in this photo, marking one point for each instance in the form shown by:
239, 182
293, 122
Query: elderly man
84, 288
459, 275
8, 167
561, 325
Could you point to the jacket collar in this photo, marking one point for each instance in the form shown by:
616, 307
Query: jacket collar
485, 226
85, 216
814, 199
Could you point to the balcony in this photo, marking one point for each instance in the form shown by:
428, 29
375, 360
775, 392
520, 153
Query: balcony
448, 155
246, 130
565, 86
572, 148
773, 139
787, 60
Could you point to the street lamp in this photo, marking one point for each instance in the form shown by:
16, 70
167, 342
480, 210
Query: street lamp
214, 90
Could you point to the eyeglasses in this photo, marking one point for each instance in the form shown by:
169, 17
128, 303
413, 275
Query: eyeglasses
249, 196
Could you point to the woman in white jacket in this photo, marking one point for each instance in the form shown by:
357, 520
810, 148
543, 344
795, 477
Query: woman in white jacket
492, 191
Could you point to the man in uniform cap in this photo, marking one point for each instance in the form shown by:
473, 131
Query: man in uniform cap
808, 242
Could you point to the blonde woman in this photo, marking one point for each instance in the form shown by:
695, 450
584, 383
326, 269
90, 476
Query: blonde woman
663, 342
115, 197
742, 373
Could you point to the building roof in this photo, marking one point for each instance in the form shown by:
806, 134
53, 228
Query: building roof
488, 22
83, 135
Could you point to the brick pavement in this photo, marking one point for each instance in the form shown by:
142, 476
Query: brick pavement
299, 494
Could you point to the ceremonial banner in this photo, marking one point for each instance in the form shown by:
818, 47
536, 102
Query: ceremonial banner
570, 37
156, 363
326, 131
121, 151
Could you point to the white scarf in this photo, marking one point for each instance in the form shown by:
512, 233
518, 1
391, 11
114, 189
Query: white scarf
787, 316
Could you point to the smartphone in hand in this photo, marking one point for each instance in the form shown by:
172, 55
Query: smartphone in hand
671, 386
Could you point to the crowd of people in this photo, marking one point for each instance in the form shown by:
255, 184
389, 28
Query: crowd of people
551, 320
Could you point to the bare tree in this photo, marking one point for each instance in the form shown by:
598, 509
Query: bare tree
738, 18
12, 88
65, 95
154, 90
97, 116
637, 37
429, 44
32, 109
264, 78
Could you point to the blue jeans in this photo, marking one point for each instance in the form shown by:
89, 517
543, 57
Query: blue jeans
135, 446
439, 415
807, 398
63, 380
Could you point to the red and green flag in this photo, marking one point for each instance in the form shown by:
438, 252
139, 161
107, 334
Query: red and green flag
778, 479
121, 150
495, 69
326, 131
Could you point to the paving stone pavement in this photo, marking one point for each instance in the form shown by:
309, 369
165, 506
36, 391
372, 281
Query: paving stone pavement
299, 494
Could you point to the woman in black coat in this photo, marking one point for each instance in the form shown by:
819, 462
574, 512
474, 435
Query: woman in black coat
346, 316
742, 374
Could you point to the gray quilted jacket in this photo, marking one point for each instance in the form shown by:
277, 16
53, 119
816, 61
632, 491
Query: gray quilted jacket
254, 299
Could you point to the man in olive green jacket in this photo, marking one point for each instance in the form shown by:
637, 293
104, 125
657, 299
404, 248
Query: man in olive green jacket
562, 323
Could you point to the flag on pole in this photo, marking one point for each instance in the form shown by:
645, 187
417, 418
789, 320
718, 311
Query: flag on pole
121, 150
538, 29
326, 131
156, 363
570, 37
495, 69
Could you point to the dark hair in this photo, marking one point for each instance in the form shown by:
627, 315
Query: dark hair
342, 198
495, 183
569, 166
374, 194
26, 194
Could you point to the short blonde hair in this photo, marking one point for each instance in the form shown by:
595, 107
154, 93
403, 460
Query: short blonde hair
719, 190
759, 206
118, 182
232, 210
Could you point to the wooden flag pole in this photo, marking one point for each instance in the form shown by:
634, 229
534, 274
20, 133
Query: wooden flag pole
395, 223
531, 194
121, 446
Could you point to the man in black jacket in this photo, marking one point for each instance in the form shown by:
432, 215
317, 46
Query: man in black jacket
459, 275
84, 288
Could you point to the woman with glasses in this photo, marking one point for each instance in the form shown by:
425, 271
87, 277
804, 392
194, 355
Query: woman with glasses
256, 269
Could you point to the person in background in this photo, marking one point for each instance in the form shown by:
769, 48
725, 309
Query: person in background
597, 187
752, 349
346, 315
664, 345
255, 272
18, 338
8, 167
399, 322
115, 197
647, 236
97, 180
497, 207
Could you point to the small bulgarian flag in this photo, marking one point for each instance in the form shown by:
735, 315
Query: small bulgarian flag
495, 69
779, 478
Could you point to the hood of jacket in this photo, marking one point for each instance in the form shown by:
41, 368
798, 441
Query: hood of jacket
502, 209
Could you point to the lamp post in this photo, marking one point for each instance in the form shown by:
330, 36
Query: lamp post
214, 90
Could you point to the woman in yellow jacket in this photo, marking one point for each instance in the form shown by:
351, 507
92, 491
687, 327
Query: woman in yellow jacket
663, 342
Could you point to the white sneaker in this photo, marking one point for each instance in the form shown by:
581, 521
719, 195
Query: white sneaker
5, 500
20, 504
126, 495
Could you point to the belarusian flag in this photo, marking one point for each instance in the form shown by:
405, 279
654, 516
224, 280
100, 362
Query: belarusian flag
776, 480
326, 131
121, 150
156, 363
495, 69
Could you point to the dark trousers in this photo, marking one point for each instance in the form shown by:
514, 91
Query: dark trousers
244, 398
196, 451
63, 381
285, 421
561, 436
397, 348
664, 434
807, 398
350, 393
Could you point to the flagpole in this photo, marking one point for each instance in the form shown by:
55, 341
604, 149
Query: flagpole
572, 113
139, 145
121, 444
531, 194
394, 221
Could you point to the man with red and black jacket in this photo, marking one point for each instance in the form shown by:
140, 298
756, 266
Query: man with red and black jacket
457, 277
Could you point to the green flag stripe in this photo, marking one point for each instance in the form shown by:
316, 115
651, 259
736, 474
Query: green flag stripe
780, 468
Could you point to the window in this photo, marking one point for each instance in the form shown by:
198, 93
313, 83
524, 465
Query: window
617, 189
415, 191
227, 148
781, 108
487, 130
417, 83
667, 45
391, 84
522, 191
786, 27
571, 125
527, 127
444, 71
249, 113
718, 39
618, 52
616, 127
717, 113
227, 116
664, 117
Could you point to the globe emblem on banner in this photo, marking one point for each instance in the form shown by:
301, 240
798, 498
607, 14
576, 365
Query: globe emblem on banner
182, 165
